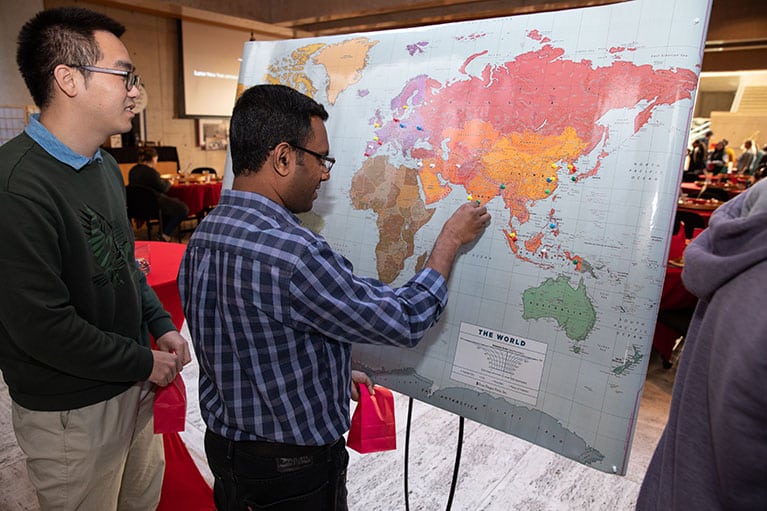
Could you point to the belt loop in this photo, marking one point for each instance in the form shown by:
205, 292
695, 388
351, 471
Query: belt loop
229, 450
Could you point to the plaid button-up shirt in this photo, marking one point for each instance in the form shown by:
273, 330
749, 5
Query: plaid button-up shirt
273, 310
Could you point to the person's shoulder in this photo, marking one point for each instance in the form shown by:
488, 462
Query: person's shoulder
22, 152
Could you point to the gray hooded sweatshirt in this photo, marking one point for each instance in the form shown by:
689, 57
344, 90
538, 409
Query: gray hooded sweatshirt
713, 451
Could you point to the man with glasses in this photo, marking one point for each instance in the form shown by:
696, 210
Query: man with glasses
273, 311
75, 312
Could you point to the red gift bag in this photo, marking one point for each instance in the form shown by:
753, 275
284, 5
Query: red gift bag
170, 407
373, 427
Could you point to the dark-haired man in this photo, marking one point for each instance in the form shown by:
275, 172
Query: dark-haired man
75, 312
273, 312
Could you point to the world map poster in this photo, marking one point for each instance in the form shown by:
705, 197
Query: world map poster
571, 127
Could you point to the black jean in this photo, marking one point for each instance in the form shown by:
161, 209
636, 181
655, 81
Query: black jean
251, 476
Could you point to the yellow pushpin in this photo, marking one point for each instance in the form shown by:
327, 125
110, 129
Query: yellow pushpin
405, 107
377, 125
569, 166
469, 197
553, 178
554, 166
512, 235
375, 138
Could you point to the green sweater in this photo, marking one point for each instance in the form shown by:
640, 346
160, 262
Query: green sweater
75, 312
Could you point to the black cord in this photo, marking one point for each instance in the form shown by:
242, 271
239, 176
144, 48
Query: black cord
407, 448
455, 466
457, 463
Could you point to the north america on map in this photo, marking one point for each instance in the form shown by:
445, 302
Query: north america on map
570, 128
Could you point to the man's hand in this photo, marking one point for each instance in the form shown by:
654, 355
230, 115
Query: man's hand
172, 342
165, 368
360, 378
463, 226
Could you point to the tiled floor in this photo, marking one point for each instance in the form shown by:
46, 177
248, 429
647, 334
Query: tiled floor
498, 472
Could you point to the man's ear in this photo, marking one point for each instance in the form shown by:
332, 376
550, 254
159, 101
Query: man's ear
66, 79
283, 159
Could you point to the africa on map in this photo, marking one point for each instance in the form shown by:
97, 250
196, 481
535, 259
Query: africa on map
570, 127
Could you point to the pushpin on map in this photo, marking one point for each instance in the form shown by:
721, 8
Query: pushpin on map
569, 166
377, 125
375, 138
552, 225
380, 143
469, 198
575, 261
419, 128
513, 235
401, 125
548, 191
554, 166
548, 180
405, 107
432, 165
395, 119
574, 179
503, 187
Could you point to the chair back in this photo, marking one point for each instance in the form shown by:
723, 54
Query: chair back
142, 203
202, 170
678, 242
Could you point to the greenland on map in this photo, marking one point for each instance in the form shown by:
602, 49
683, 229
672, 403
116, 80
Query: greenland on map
570, 127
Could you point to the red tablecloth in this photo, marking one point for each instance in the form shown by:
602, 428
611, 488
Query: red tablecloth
165, 259
183, 488
197, 196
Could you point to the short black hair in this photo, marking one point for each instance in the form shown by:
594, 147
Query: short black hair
263, 117
64, 35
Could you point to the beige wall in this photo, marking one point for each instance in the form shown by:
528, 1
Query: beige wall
12, 16
153, 44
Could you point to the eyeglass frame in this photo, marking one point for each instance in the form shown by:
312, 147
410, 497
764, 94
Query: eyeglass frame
131, 78
327, 161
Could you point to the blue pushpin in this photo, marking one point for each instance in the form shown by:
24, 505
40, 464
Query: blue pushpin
401, 125
552, 225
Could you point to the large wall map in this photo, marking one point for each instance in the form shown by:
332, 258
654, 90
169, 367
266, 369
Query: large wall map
571, 127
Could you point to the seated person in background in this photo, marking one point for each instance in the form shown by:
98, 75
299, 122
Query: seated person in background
144, 174
718, 159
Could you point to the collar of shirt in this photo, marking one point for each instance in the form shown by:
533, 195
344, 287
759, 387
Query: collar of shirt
55, 147
256, 200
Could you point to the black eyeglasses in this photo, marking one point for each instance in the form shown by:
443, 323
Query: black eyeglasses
327, 161
131, 78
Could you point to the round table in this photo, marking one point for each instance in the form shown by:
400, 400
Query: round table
197, 196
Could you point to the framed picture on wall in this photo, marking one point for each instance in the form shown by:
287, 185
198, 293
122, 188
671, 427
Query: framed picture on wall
213, 134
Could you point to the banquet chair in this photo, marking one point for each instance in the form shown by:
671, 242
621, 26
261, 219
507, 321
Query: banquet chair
678, 242
690, 221
144, 208
714, 193
202, 170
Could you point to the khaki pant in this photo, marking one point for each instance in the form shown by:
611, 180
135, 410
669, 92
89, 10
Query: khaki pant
101, 457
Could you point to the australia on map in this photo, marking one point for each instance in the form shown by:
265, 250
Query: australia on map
570, 127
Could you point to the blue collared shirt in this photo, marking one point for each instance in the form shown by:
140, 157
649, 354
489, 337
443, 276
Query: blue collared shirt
273, 311
55, 147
